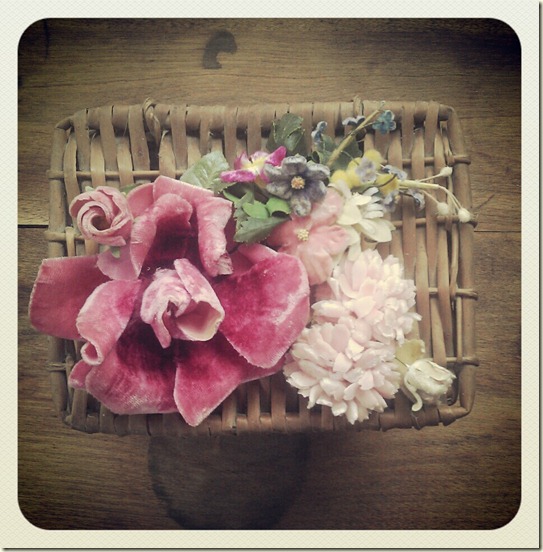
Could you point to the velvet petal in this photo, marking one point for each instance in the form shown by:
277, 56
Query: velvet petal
207, 373
181, 304
140, 199
212, 220
266, 307
202, 322
138, 375
118, 267
104, 317
61, 288
162, 233
79, 374
212, 214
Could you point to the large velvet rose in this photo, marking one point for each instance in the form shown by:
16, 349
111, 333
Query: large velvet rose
171, 321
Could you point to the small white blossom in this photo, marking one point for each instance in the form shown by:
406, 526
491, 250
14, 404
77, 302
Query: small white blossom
426, 382
464, 215
443, 209
445, 171
423, 381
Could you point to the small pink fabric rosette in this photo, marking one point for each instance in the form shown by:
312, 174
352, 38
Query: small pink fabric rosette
174, 322
103, 215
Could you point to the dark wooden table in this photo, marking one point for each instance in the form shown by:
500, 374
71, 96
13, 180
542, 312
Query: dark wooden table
464, 476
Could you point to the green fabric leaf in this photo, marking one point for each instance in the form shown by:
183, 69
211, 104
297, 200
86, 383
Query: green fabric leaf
277, 205
234, 199
256, 210
288, 132
255, 230
206, 172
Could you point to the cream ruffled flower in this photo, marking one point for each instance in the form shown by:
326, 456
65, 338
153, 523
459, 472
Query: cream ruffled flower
362, 214
372, 290
423, 381
332, 366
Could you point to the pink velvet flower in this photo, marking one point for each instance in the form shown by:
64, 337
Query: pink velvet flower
251, 168
103, 215
170, 325
314, 239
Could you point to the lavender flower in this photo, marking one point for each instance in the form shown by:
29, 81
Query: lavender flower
418, 196
391, 169
299, 182
367, 170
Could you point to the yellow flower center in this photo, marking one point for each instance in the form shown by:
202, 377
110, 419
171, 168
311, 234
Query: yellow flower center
298, 183
302, 234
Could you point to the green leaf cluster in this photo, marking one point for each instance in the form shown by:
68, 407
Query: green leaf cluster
289, 132
256, 219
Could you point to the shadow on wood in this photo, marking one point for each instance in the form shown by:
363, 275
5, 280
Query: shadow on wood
228, 482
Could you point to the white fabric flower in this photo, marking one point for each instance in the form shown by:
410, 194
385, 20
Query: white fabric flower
423, 381
426, 382
363, 214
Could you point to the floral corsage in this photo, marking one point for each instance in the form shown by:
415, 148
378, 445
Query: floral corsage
231, 274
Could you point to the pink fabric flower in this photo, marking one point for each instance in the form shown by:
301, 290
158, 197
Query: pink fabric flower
170, 325
333, 366
372, 290
103, 215
251, 169
314, 239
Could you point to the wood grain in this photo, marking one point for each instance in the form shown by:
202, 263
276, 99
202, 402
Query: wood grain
464, 476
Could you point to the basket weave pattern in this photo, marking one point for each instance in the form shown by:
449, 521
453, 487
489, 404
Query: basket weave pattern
122, 145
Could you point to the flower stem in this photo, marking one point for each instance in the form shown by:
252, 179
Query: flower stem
348, 140
418, 184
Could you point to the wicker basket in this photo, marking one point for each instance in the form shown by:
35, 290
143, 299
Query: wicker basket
121, 145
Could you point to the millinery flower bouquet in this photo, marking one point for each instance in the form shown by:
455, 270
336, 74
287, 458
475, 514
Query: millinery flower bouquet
231, 274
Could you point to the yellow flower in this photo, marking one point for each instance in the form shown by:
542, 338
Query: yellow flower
348, 176
373, 155
363, 171
387, 183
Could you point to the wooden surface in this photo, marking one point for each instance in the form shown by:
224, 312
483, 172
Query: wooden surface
464, 476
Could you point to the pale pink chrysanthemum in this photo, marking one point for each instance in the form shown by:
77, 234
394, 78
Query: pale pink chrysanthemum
334, 365
372, 290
